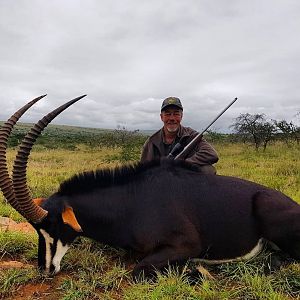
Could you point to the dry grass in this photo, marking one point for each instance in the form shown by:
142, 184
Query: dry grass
278, 167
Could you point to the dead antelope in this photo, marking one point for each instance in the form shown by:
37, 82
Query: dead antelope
163, 210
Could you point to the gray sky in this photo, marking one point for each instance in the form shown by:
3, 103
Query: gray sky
128, 55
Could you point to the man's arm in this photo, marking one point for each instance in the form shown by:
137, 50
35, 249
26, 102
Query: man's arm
203, 154
147, 154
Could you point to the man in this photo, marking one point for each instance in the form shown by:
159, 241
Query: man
162, 142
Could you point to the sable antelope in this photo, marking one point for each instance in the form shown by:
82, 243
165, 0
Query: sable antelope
163, 210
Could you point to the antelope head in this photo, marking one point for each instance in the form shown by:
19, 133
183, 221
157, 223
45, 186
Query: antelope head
55, 224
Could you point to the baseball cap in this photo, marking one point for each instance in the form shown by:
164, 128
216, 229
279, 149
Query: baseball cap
174, 101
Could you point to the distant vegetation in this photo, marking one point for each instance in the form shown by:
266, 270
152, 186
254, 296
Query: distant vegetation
68, 137
71, 138
252, 129
255, 128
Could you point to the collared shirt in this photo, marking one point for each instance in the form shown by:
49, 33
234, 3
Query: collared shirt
155, 147
167, 148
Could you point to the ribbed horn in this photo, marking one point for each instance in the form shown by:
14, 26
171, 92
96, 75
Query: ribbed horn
6, 184
29, 209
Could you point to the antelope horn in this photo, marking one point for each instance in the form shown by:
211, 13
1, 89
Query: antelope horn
29, 209
6, 184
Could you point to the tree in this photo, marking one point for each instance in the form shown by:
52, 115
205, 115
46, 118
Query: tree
289, 130
254, 128
130, 142
266, 132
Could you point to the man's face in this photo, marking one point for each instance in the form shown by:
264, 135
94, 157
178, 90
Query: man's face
171, 118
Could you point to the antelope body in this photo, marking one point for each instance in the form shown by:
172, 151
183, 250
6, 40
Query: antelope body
163, 210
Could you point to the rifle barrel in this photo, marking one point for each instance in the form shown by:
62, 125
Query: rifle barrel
198, 136
220, 114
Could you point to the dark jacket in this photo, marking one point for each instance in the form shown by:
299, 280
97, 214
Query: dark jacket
203, 155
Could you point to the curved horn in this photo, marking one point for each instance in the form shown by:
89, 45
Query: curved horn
29, 209
6, 184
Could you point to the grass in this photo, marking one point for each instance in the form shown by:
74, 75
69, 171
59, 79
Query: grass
95, 271
14, 243
278, 167
11, 279
48, 167
7, 211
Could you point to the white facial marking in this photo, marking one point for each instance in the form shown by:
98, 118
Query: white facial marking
48, 241
60, 252
257, 249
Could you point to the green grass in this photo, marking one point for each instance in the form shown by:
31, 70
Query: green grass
11, 279
254, 280
175, 285
94, 271
17, 243
7, 211
278, 167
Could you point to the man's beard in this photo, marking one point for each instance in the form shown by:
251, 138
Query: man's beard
172, 128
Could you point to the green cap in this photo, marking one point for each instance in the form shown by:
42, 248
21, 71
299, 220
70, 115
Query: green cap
171, 101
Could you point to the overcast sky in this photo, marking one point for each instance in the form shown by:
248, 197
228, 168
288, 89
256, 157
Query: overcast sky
129, 55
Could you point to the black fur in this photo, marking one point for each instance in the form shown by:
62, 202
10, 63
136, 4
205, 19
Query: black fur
87, 181
167, 213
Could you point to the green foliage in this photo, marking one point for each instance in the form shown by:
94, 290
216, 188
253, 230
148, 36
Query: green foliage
278, 167
69, 137
130, 143
216, 137
174, 285
74, 289
7, 211
16, 243
85, 254
255, 129
289, 131
94, 271
258, 287
288, 279
11, 279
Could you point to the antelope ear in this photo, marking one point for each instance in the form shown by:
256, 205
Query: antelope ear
39, 201
69, 218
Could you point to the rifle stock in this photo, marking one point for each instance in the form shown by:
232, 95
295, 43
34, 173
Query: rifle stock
189, 147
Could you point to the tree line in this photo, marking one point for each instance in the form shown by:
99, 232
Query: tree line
257, 130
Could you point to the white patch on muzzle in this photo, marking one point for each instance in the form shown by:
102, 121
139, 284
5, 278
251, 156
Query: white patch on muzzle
48, 241
59, 252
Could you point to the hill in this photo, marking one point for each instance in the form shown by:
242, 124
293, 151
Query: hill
67, 137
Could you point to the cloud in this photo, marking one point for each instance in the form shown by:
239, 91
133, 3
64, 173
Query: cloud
129, 55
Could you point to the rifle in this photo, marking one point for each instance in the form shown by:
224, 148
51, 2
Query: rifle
178, 148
